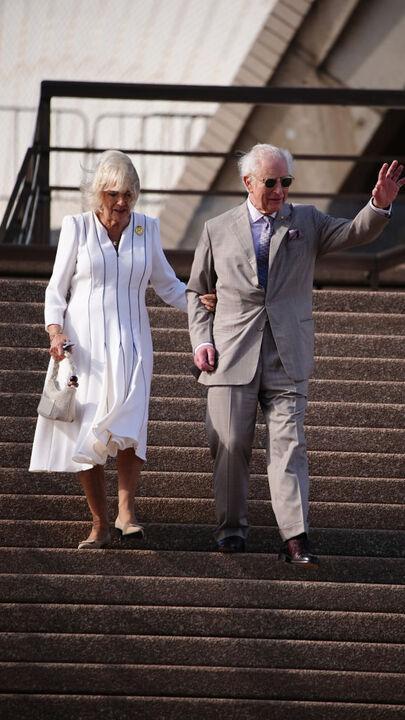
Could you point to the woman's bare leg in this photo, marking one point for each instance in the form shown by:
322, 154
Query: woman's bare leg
93, 484
129, 468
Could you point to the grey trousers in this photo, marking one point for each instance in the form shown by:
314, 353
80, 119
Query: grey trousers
230, 422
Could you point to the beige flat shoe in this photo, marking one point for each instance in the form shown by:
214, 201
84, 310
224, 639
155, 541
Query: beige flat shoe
129, 529
94, 544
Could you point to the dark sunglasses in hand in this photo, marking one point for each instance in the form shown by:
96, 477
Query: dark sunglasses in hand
285, 181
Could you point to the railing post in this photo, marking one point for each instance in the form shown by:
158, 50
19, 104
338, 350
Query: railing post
41, 234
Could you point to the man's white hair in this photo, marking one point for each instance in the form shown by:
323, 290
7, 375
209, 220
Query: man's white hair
249, 162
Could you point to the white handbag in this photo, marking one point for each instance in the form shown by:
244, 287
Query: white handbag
58, 403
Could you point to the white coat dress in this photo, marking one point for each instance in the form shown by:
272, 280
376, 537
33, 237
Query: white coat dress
106, 318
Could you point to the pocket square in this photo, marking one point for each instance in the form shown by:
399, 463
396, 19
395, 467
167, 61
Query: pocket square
294, 234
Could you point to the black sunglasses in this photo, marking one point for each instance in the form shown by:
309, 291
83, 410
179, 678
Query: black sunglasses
285, 181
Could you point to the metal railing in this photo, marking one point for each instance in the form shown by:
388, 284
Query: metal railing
371, 265
21, 211
27, 217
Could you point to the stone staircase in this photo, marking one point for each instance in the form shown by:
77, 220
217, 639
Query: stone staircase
172, 629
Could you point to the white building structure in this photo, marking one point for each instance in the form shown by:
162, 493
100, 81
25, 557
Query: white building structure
317, 43
135, 41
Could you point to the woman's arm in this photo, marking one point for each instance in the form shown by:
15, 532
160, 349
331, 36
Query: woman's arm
59, 285
163, 278
172, 290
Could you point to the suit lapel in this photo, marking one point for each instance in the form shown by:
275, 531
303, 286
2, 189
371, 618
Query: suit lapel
241, 228
281, 225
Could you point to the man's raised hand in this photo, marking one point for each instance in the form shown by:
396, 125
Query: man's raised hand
388, 185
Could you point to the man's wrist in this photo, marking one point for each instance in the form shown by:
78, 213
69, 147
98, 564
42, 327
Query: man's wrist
386, 211
204, 344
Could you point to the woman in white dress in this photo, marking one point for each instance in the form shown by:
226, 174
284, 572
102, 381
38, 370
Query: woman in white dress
104, 262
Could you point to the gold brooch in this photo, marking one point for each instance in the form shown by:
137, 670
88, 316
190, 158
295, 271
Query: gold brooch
139, 230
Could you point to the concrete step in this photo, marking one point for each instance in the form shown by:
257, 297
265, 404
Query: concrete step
326, 390
21, 384
178, 341
34, 359
159, 317
217, 593
362, 323
239, 652
365, 323
297, 644
318, 413
64, 707
329, 344
374, 346
32, 312
333, 368
326, 344
172, 536
182, 564
180, 459
17, 381
359, 301
169, 385
193, 409
346, 464
24, 290
200, 681
346, 300
175, 386
203, 622
202, 510
199, 484
192, 434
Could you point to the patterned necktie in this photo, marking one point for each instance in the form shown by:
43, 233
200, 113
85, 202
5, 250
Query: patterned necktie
263, 250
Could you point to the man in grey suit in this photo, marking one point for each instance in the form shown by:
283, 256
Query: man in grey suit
259, 345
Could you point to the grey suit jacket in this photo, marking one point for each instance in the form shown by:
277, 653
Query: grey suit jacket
225, 259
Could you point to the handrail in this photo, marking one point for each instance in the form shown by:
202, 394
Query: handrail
251, 95
217, 154
15, 195
29, 216
21, 209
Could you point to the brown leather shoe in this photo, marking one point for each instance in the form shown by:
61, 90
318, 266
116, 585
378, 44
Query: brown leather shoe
296, 551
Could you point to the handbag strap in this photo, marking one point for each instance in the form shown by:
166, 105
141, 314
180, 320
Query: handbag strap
69, 360
72, 366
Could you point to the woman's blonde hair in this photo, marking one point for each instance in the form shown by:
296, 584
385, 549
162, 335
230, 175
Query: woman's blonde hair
114, 171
